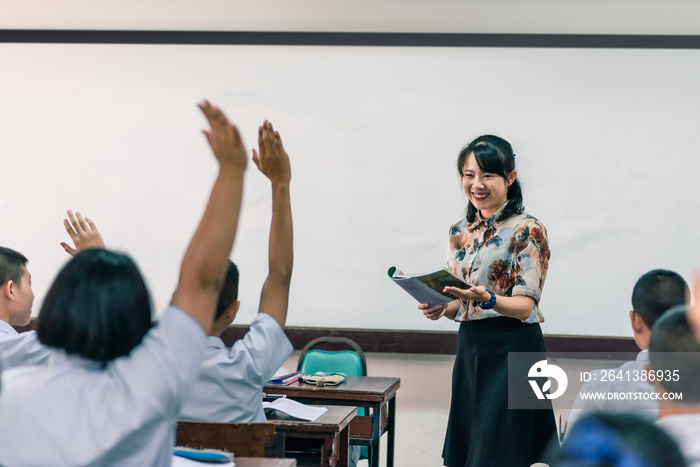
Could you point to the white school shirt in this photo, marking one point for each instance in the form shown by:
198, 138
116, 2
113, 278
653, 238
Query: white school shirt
72, 412
20, 349
230, 383
647, 408
685, 430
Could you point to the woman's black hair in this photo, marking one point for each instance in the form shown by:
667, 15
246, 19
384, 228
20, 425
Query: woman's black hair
98, 307
493, 155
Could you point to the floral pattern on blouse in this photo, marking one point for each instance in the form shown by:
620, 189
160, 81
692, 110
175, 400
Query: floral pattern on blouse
509, 257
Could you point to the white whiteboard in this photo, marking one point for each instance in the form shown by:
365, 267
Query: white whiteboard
607, 147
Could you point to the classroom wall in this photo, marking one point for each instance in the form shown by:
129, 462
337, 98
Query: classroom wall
373, 133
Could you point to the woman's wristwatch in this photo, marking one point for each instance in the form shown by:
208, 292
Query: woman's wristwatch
487, 305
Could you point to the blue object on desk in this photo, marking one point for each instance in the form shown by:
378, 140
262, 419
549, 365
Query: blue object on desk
204, 455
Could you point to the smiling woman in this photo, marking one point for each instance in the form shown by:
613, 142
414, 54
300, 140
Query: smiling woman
504, 252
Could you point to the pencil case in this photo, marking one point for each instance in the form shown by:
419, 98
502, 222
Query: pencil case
324, 378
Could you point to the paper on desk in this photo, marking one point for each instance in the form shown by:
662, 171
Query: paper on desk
295, 409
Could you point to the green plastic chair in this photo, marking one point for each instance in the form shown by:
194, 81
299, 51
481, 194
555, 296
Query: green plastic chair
351, 362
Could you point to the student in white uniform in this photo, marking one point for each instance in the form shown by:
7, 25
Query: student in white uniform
654, 293
112, 390
230, 383
17, 297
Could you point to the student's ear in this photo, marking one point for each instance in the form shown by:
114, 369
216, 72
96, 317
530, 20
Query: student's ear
8, 290
232, 310
636, 322
511, 177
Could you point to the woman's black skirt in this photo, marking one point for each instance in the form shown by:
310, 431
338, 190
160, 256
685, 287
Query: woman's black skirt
482, 431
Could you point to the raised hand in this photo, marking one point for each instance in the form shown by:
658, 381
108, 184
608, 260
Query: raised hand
206, 257
83, 233
224, 139
272, 160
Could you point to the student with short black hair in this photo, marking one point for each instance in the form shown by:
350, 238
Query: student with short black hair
17, 296
230, 383
114, 386
83, 316
654, 293
16, 300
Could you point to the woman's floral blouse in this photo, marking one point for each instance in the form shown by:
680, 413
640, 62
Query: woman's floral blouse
509, 257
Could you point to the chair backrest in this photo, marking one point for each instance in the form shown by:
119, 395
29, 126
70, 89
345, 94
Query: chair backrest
242, 439
351, 362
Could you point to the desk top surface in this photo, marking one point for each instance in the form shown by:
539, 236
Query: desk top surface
355, 388
334, 420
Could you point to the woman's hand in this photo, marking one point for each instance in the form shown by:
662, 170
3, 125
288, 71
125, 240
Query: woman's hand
433, 313
438, 311
478, 293
518, 306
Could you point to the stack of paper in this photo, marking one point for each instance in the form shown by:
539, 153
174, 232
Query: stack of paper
293, 409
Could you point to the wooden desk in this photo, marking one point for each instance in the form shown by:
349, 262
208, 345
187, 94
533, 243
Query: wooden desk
242, 439
376, 393
331, 428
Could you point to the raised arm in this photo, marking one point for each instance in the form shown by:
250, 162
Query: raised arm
272, 160
206, 257
82, 232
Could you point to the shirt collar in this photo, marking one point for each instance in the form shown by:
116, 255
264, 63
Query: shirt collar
60, 358
215, 342
479, 222
643, 356
6, 328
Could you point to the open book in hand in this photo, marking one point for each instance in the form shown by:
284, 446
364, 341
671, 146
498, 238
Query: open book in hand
427, 288
288, 409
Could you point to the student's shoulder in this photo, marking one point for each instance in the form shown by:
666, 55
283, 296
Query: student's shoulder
6, 330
